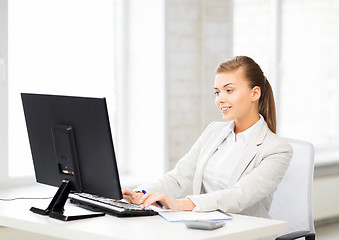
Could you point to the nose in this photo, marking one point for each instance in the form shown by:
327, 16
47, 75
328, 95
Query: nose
221, 97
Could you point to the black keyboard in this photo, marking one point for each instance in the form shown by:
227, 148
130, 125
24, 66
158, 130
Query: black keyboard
109, 206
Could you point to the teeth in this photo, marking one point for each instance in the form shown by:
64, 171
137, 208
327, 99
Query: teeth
224, 108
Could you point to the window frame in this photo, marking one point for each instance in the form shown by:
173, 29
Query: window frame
3, 90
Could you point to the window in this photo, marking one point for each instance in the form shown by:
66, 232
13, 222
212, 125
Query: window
64, 47
251, 31
142, 98
297, 45
309, 73
95, 48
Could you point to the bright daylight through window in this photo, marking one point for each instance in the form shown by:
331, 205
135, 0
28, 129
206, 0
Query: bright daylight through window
63, 47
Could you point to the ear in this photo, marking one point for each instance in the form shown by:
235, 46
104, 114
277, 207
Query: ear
256, 93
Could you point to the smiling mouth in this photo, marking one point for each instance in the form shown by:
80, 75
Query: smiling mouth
224, 109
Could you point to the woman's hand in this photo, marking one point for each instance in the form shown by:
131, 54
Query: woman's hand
168, 202
132, 196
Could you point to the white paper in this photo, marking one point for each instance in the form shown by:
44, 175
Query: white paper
177, 216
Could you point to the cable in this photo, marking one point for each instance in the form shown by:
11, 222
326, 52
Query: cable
22, 198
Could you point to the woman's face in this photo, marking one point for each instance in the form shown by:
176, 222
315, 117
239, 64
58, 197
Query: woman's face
234, 97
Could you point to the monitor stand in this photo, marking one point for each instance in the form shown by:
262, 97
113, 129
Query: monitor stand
56, 207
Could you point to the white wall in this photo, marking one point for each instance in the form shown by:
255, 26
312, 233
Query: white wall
198, 38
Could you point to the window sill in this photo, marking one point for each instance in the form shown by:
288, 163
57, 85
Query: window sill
17, 182
326, 162
326, 157
325, 170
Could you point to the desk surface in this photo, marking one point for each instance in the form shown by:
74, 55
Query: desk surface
16, 214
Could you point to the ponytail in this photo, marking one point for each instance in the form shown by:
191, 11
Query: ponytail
267, 106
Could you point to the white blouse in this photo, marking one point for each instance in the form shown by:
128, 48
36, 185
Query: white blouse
221, 164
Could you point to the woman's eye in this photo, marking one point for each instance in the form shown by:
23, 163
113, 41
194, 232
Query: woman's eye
216, 93
229, 90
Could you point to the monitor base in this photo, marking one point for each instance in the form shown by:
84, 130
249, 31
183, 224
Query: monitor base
56, 207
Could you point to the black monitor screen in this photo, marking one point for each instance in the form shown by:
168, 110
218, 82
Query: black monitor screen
70, 138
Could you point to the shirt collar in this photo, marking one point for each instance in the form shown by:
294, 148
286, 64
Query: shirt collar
244, 136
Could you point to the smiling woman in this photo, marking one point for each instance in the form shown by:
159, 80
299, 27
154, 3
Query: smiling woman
236, 165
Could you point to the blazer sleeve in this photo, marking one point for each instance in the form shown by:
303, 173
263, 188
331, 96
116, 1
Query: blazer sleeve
177, 181
252, 187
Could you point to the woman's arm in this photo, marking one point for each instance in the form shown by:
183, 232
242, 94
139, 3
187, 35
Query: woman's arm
183, 204
148, 199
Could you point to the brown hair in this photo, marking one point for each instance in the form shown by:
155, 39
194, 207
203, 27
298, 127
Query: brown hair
255, 77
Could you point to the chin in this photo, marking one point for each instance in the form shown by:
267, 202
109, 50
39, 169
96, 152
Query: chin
227, 118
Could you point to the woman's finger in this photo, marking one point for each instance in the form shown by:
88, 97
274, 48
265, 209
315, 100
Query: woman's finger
127, 191
155, 199
127, 198
136, 198
146, 196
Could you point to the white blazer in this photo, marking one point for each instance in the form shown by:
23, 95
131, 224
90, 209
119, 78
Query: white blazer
257, 173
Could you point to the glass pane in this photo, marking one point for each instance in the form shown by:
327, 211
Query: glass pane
251, 31
63, 47
309, 71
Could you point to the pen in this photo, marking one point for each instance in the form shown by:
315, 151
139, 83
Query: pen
157, 202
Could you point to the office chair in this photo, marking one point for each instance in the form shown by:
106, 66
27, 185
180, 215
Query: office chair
292, 201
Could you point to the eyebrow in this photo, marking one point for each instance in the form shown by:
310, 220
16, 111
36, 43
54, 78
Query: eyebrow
224, 85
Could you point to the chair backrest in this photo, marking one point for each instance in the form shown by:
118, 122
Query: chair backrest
292, 201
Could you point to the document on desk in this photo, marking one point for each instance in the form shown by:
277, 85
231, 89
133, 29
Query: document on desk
178, 216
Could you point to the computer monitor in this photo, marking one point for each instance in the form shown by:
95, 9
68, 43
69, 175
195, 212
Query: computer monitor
72, 147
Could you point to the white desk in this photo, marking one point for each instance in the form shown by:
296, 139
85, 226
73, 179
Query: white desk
16, 214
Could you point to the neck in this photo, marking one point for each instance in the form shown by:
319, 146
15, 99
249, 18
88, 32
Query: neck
245, 123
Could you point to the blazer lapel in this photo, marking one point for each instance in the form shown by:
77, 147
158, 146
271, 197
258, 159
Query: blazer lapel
211, 148
248, 156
